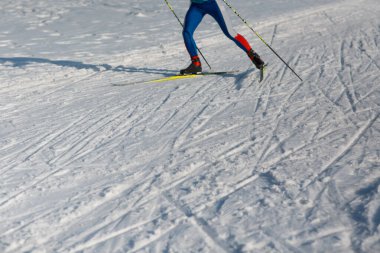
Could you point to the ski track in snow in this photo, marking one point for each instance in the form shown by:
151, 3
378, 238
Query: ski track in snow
216, 164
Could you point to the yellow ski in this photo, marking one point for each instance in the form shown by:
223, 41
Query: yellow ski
173, 78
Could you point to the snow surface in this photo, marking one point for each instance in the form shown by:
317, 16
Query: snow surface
213, 164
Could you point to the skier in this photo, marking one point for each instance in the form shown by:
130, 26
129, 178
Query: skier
198, 9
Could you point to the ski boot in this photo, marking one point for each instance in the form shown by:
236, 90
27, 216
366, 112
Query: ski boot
194, 68
255, 58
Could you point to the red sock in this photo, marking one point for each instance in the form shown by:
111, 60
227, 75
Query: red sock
244, 42
196, 61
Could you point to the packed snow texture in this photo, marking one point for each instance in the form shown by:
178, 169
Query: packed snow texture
212, 164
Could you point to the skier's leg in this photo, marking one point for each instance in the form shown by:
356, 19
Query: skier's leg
220, 15
193, 18
218, 12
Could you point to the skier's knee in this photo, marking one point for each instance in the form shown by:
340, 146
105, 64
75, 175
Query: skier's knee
186, 33
230, 36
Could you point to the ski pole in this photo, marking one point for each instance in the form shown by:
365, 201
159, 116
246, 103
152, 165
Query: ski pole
172, 10
260, 37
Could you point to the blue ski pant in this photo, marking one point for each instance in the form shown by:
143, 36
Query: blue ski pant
194, 17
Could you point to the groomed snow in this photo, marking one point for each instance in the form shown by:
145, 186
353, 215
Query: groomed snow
212, 164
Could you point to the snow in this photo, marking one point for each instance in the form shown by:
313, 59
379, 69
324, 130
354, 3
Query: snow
213, 164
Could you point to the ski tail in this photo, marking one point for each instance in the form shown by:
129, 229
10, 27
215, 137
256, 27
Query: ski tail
262, 72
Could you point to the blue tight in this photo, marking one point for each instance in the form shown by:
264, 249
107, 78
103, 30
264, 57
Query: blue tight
194, 17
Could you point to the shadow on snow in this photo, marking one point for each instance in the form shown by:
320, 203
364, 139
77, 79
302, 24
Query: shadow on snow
24, 61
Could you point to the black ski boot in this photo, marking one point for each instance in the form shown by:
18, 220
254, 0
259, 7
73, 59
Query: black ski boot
194, 68
255, 58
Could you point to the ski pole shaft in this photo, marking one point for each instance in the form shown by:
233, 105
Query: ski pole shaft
172, 10
260, 37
